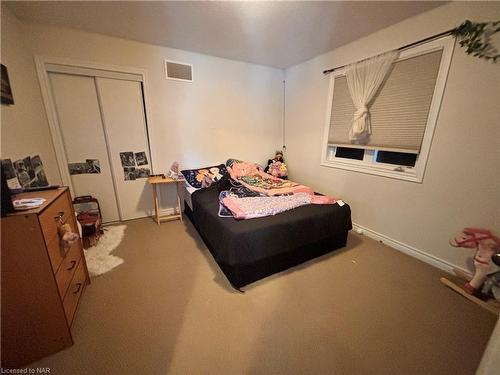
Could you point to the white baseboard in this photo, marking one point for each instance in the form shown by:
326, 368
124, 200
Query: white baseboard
410, 250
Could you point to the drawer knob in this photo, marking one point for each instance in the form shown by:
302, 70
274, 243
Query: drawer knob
59, 217
78, 287
73, 264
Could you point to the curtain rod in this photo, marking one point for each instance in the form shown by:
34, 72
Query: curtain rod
429, 38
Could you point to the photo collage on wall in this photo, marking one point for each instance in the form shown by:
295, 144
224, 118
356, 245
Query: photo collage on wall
131, 161
90, 166
24, 173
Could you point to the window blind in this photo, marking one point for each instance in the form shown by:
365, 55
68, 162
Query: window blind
399, 111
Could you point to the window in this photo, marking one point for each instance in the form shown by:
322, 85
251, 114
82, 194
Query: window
396, 158
349, 153
403, 115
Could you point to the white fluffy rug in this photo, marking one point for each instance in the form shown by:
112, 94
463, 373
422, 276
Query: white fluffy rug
99, 260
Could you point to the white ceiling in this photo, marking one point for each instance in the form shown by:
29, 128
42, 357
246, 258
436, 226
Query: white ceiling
276, 33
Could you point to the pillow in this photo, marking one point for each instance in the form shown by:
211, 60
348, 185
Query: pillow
204, 177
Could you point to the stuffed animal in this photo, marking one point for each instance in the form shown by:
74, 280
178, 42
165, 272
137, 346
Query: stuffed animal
174, 171
487, 246
276, 166
67, 236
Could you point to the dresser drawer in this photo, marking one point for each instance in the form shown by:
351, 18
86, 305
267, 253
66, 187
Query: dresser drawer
56, 253
61, 211
68, 268
74, 292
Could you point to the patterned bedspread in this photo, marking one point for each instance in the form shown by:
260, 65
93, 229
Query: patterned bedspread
255, 179
258, 194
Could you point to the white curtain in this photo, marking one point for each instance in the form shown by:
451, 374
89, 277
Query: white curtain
363, 80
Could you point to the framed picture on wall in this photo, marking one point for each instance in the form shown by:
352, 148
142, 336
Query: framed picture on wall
7, 97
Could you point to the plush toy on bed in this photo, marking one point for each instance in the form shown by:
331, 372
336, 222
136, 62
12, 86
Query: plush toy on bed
487, 247
277, 167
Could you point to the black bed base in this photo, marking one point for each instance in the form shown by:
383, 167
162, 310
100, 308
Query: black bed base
244, 274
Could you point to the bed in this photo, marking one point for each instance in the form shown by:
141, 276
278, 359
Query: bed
250, 250
187, 192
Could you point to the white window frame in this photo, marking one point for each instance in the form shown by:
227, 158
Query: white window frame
368, 164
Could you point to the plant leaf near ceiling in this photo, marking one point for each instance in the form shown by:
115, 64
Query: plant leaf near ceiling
475, 37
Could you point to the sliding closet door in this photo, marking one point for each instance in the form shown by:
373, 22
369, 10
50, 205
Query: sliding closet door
126, 133
81, 128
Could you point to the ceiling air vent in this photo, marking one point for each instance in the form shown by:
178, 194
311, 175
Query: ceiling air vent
178, 71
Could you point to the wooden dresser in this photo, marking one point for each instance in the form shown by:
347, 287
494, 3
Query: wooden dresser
42, 281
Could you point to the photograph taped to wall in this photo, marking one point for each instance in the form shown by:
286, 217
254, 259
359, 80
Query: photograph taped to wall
29, 172
8, 169
127, 158
129, 173
142, 172
6, 91
40, 177
10, 174
93, 166
22, 173
77, 168
141, 158
90, 166
29, 168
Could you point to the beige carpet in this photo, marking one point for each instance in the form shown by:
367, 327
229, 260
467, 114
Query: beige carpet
367, 309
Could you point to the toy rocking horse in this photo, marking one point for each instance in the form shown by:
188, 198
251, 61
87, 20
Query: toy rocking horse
487, 247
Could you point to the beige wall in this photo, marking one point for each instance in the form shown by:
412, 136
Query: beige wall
461, 182
232, 109
24, 131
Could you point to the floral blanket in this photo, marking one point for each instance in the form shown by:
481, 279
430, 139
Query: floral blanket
258, 194
250, 176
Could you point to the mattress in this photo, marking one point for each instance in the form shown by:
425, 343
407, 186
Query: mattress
248, 250
187, 191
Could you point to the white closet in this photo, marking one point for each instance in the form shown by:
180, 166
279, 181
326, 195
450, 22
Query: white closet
100, 116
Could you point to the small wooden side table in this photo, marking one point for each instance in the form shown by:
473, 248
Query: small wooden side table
158, 180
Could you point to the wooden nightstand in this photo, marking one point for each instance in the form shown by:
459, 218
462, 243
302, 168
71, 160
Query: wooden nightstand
158, 180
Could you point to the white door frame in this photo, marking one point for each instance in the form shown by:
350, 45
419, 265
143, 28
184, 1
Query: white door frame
45, 64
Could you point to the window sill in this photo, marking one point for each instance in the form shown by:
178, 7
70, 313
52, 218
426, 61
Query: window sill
407, 174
